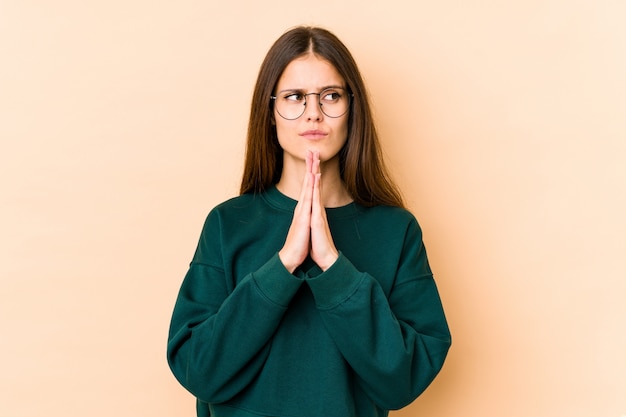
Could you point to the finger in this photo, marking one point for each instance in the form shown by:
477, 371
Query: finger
317, 184
308, 192
318, 212
307, 183
323, 250
315, 169
309, 161
317, 207
305, 188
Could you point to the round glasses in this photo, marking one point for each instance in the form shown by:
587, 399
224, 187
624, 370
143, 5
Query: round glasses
333, 101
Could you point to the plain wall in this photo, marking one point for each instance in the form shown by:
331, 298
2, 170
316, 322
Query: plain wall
122, 123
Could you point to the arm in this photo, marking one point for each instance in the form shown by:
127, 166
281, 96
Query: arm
396, 345
218, 335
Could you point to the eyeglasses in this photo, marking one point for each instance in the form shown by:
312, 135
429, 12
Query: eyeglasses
333, 101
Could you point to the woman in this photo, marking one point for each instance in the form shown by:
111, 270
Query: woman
310, 294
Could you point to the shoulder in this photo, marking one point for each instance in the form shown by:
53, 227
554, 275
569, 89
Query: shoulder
236, 207
388, 223
239, 202
229, 221
389, 215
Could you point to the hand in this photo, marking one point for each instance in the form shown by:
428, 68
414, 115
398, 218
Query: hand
298, 242
323, 250
309, 231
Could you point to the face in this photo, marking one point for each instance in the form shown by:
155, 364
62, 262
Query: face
314, 130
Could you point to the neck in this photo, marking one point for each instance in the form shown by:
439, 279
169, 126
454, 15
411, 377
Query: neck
334, 193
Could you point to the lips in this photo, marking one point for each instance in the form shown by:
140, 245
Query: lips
314, 134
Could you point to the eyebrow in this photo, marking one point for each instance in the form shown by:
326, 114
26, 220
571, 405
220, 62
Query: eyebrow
321, 89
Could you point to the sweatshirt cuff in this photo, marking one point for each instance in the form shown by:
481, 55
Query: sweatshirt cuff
276, 283
336, 284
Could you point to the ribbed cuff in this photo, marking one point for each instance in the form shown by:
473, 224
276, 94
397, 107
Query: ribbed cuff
336, 284
276, 283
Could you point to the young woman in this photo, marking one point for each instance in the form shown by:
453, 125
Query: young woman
310, 294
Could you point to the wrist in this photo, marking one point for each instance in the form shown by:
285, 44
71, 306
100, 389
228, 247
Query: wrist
329, 261
284, 259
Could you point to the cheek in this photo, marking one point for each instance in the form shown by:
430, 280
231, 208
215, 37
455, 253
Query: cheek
283, 132
343, 132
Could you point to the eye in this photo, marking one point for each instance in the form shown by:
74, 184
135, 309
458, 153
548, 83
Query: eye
330, 96
293, 96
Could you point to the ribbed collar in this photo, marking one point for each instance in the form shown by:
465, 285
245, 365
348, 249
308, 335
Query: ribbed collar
280, 201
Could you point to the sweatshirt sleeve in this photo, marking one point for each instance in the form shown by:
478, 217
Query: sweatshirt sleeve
395, 344
207, 356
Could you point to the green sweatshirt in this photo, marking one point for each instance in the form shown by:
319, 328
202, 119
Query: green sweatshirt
247, 338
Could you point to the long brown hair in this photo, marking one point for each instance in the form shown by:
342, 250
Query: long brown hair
361, 163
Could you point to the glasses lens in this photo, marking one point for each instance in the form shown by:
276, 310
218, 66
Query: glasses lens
334, 102
290, 104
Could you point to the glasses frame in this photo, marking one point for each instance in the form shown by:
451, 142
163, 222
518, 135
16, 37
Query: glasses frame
319, 102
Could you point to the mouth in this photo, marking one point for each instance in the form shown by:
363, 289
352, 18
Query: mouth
314, 134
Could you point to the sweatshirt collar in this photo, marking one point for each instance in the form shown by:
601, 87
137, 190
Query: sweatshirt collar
280, 201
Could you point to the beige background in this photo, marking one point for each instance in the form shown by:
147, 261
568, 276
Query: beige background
122, 123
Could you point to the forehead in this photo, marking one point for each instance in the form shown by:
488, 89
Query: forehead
309, 72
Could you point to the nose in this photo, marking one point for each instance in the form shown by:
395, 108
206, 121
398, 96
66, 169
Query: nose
312, 108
